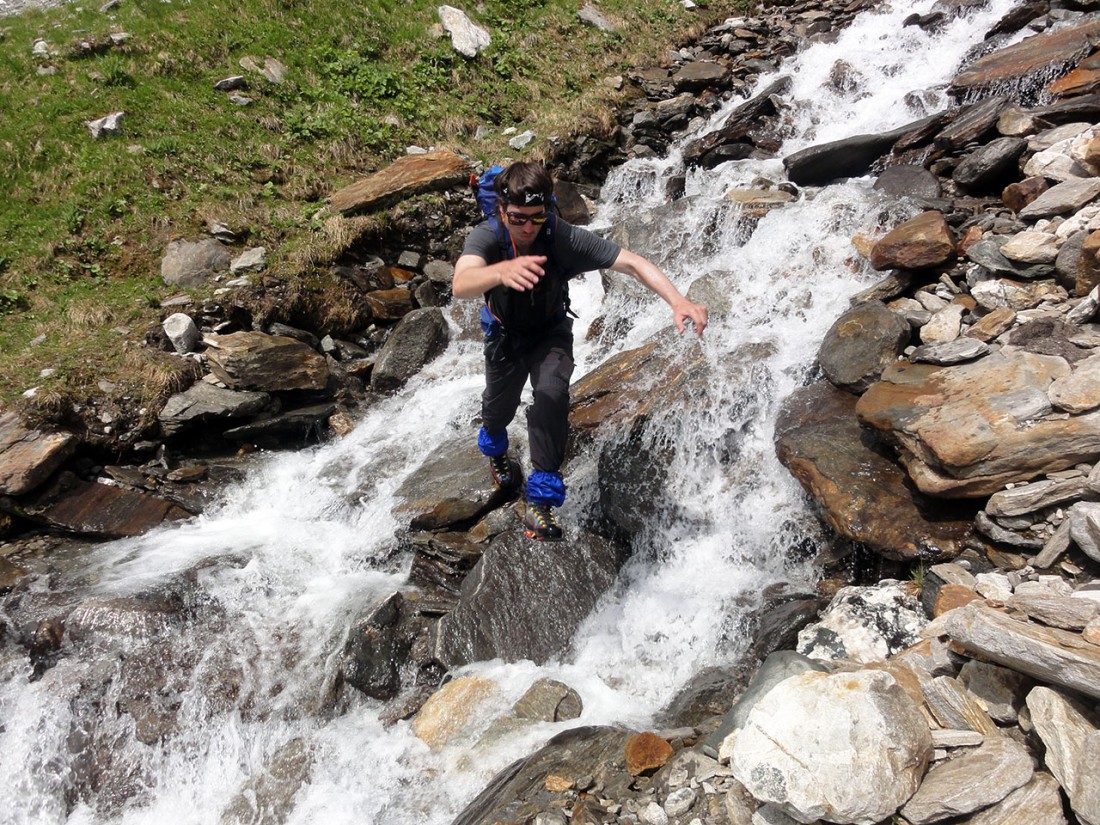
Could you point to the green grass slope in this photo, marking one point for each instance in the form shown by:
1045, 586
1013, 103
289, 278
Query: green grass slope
83, 222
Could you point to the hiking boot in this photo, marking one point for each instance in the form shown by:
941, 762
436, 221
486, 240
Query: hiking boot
501, 468
540, 523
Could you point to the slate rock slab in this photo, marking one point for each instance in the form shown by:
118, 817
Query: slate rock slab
28, 457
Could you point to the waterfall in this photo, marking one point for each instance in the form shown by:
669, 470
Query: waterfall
273, 575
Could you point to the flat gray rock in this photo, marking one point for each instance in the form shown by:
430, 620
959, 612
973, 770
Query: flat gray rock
1072, 741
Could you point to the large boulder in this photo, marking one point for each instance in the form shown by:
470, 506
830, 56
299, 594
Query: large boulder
1029, 59
93, 509
418, 338
258, 361
865, 624
616, 402
849, 157
968, 430
28, 457
863, 494
862, 342
845, 747
526, 599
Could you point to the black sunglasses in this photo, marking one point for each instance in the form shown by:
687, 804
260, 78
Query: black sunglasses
516, 219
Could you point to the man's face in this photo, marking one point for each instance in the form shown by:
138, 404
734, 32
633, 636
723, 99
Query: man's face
519, 223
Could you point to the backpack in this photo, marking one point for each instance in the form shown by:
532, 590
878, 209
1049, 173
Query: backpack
522, 312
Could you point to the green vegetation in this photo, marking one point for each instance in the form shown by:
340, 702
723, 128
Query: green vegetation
83, 222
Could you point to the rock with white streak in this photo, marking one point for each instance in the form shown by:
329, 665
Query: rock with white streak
952, 707
1080, 390
970, 782
994, 586
1086, 309
468, 38
848, 747
865, 624
1050, 655
1072, 739
1031, 247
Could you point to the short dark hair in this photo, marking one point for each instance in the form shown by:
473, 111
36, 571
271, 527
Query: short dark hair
525, 184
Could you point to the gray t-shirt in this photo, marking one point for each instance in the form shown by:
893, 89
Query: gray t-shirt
575, 250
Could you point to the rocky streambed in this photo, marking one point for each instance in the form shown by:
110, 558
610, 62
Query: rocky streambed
952, 431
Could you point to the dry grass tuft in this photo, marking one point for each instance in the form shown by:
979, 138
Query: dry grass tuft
88, 315
159, 375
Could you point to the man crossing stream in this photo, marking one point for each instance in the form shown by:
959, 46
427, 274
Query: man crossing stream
521, 259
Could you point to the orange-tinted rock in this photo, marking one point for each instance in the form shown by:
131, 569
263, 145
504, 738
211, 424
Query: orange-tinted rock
952, 596
1088, 265
410, 175
28, 457
646, 752
556, 783
920, 243
972, 235
1018, 195
1028, 58
995, 323
390, 304
257, 361
1083, 80
399, 275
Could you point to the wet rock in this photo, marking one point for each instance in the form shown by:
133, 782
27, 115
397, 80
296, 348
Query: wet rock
850, 746
525, 599
969, 782
738, 125
28, 457
548, 701
593, 752
267, 797
821, 164
205, 403
1027, 60
919, 243
302, 425
418, 338
375, 650
864, 495
1072, 740
257, 361
1048, 654
452, 710
193, 263
76, 506
406, 176
452, 488
972, 123
861, 344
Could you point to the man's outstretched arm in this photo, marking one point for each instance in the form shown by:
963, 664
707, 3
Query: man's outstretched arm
652, 278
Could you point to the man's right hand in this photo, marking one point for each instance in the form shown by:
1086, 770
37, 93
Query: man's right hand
521, 273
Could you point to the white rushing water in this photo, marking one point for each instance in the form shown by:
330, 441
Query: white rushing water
302, 546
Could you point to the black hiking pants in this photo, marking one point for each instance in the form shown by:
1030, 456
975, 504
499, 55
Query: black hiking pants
548, 361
